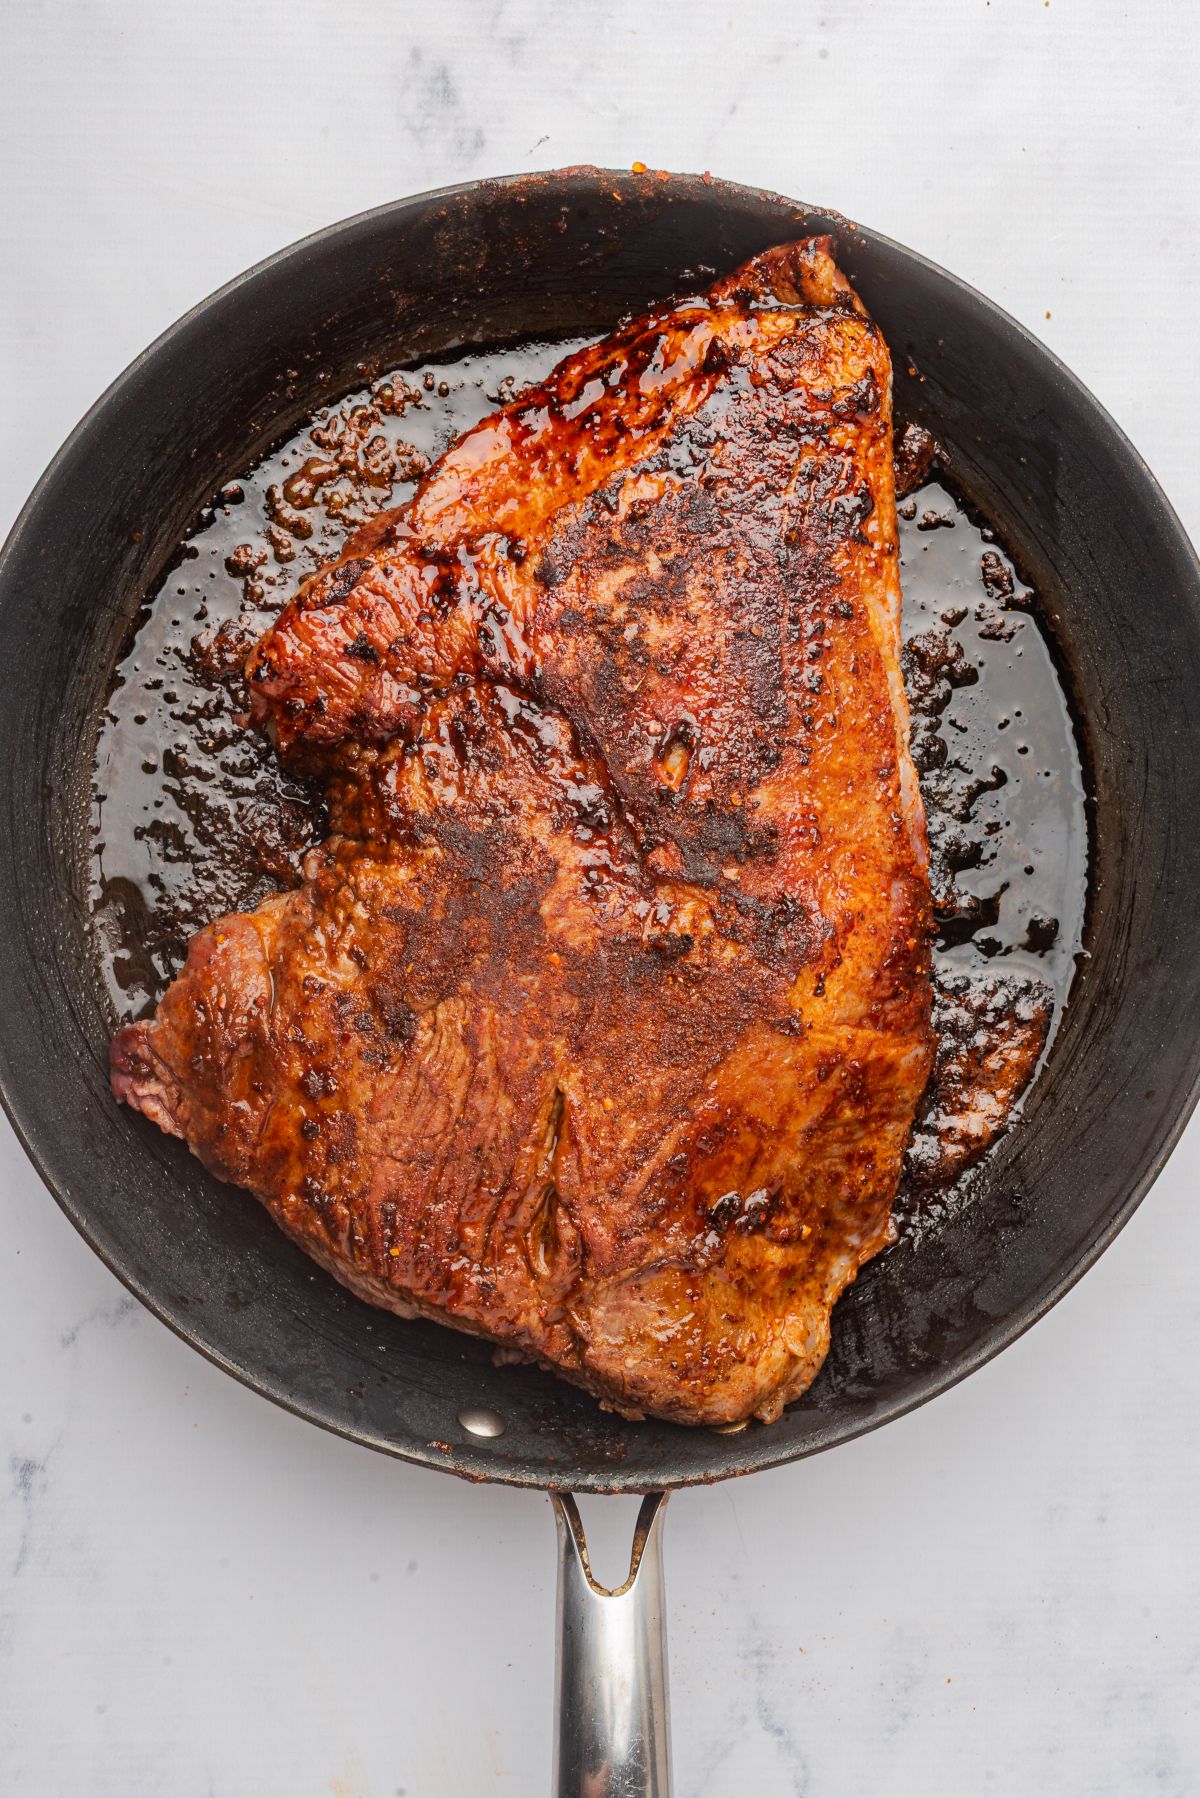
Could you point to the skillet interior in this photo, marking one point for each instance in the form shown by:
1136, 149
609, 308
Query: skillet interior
550, 255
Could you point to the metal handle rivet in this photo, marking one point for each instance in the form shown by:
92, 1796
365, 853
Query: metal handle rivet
479, 1421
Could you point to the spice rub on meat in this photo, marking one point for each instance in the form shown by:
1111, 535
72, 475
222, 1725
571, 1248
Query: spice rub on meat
599, 1023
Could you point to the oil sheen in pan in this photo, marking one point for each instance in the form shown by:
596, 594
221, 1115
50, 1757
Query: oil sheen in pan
192, 816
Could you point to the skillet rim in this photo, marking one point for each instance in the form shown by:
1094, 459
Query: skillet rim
470, 1462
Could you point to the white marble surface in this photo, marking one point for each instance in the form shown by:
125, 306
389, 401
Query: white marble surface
201, 1597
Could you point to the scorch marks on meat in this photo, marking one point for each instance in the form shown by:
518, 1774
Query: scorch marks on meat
599, 1023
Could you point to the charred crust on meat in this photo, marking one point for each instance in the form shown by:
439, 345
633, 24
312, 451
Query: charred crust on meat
362, 649
600, 1019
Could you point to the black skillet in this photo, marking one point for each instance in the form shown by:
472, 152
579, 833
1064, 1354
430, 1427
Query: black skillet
542, 256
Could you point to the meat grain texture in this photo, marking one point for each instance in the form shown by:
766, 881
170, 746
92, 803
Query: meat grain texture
599, 1023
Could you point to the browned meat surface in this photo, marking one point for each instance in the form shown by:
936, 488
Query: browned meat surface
990, 1034
599, 1024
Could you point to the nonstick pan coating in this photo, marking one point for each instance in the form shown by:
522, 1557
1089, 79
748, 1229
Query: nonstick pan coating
567, 253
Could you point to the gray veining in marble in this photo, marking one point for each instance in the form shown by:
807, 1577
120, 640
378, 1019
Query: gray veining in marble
201, 1597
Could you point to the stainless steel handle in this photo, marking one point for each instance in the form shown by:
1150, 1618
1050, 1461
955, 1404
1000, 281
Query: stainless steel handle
612, 1736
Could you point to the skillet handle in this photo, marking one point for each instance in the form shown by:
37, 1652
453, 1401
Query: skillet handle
612, 1736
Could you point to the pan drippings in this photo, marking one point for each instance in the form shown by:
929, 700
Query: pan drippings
193, 816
